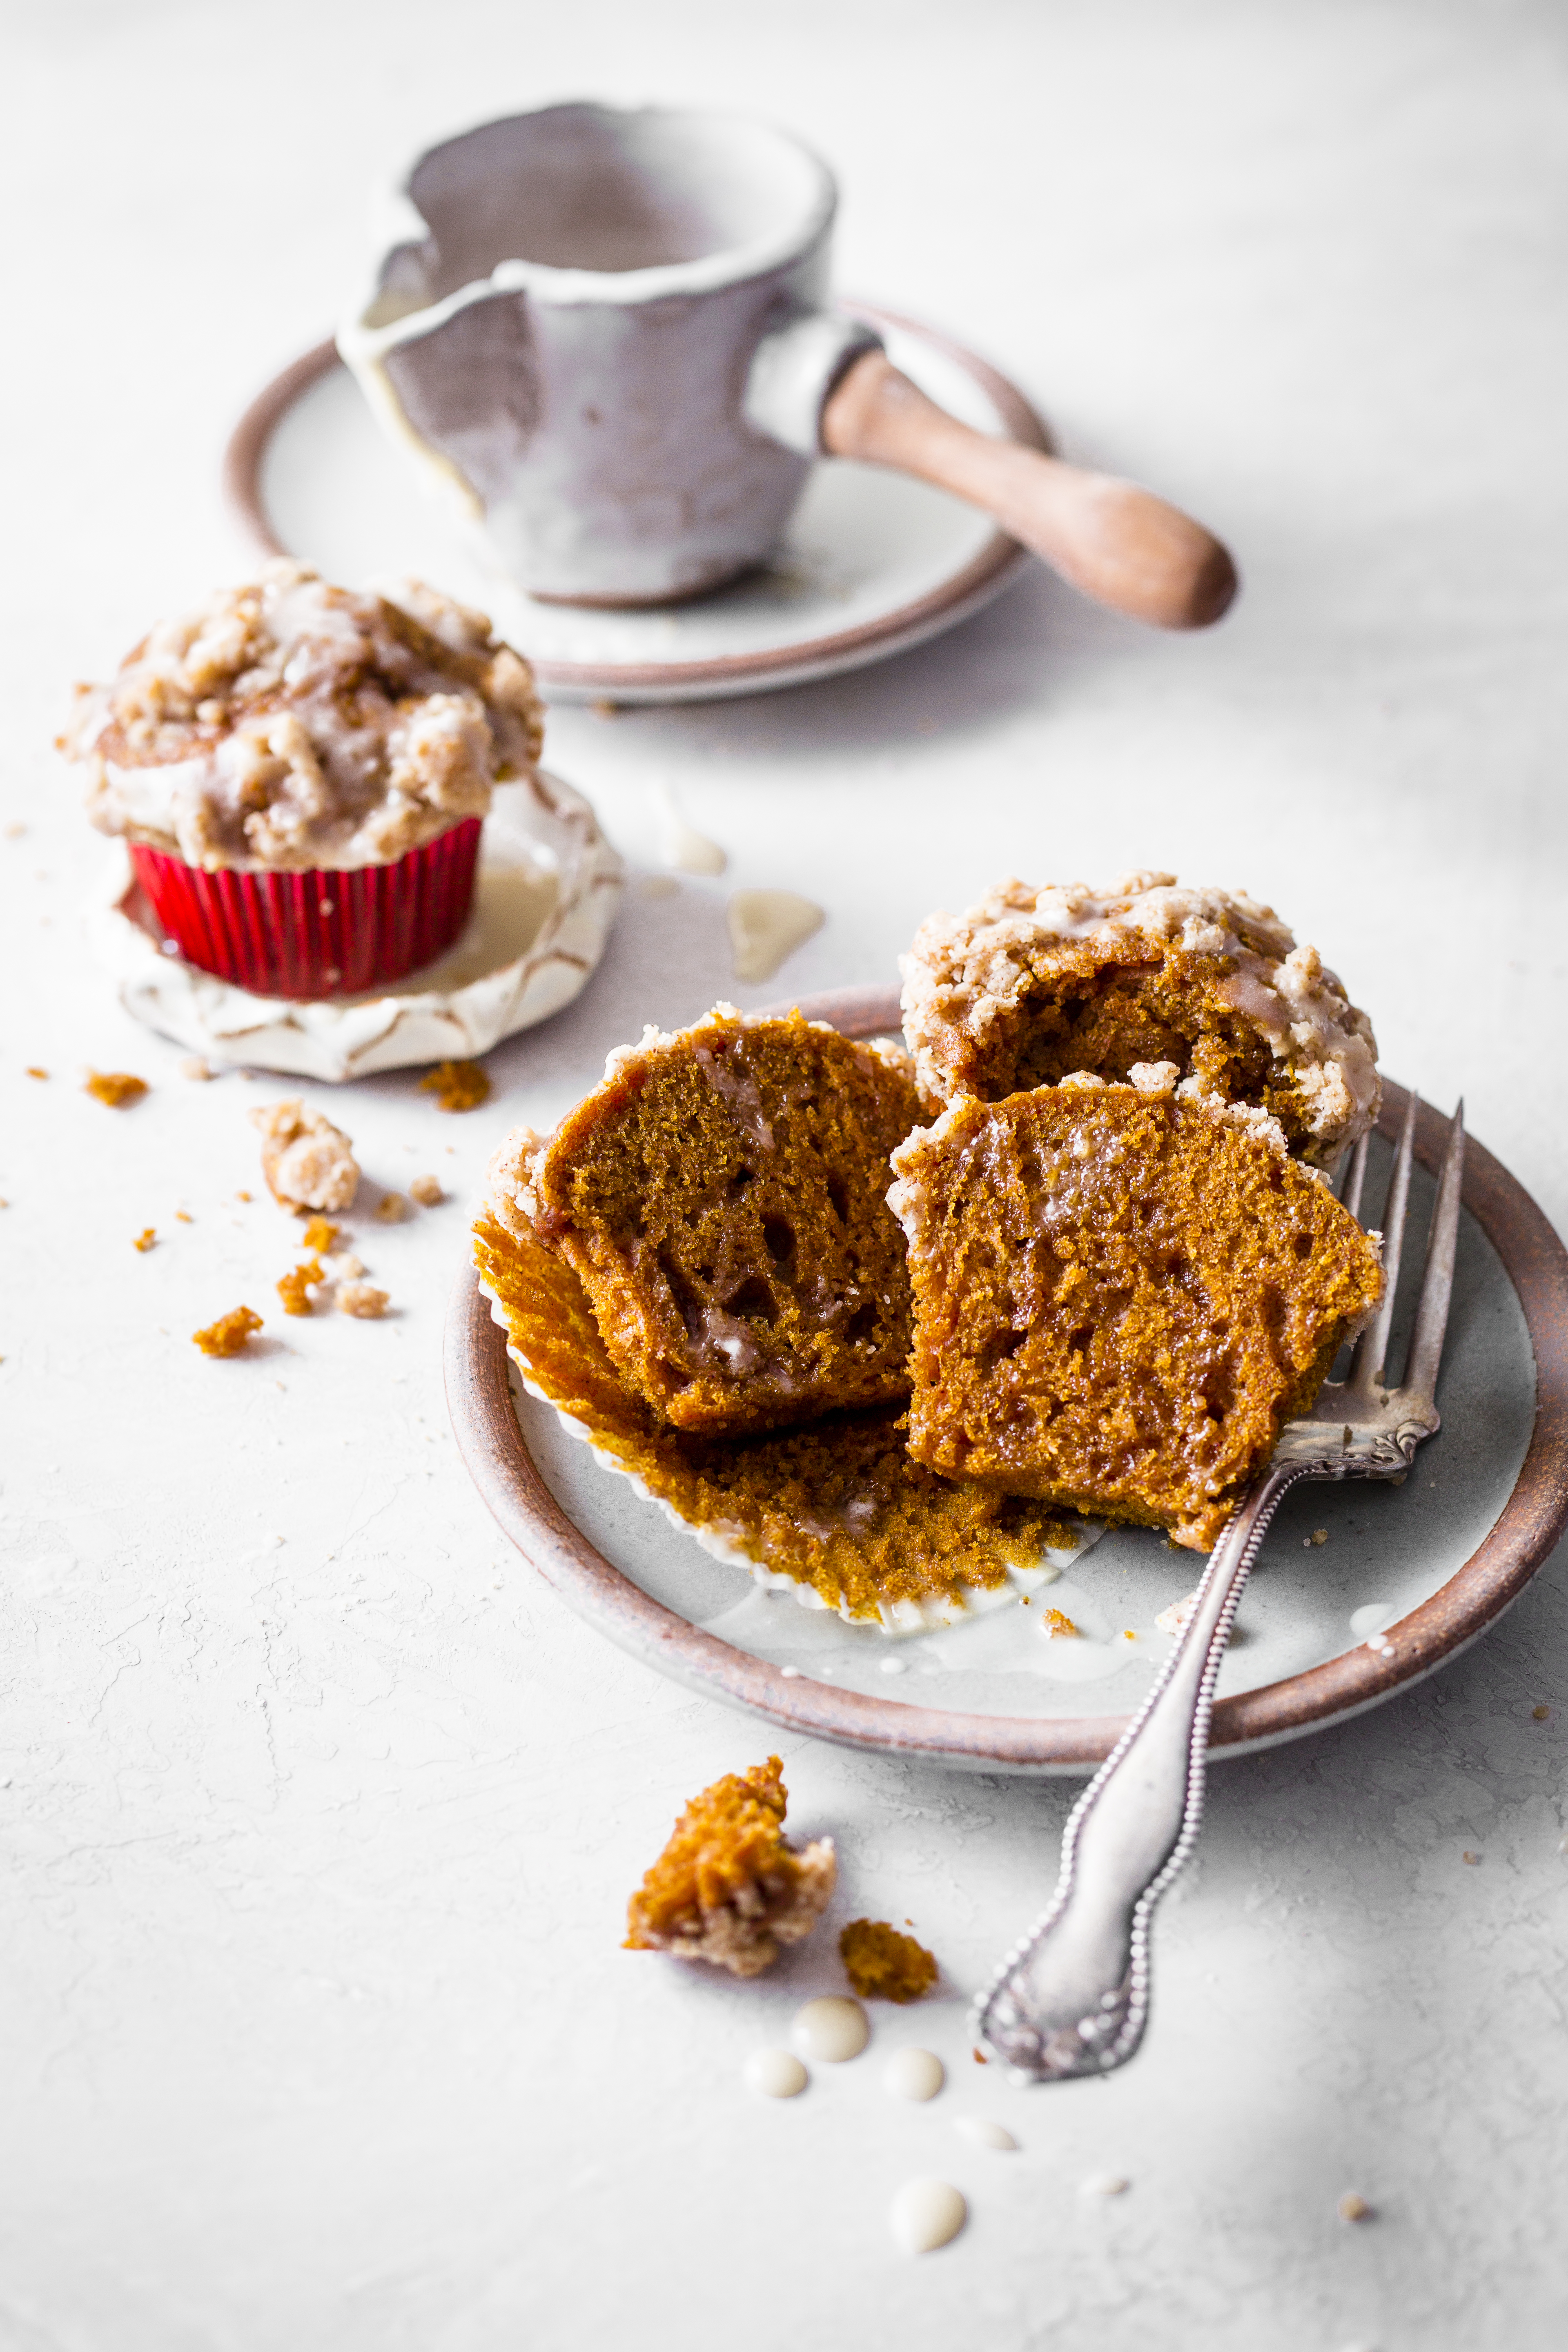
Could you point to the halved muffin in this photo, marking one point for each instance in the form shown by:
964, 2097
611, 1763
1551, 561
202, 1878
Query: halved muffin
1035, 984
721, 1198
1121, 1296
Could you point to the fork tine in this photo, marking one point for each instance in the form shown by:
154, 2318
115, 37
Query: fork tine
1355, 1175
1437, 1279
1372, 1349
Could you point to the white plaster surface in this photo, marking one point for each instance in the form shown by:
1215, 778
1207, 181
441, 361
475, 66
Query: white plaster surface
314, 2032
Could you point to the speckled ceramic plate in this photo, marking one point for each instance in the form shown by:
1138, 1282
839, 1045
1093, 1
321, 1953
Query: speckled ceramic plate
1428, 1567
872, 562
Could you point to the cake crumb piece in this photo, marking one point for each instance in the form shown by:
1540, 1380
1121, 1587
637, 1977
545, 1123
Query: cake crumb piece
318, 1236
245, 1196
1354, 2208
390, 1208
881, 1964
1540, 1714
1056, 1622
307, 1162
359, 1298
979, 2058
729, 1888
145, 1240
1467, 1856
115, 1088
229, 1334
426, 1191
294, 1288
1319, 1536
33, 1071
193, 1067
183, 1217
349, 1268
456, 1086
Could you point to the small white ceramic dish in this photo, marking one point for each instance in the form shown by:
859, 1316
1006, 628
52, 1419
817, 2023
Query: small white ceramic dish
548, 887
872, 562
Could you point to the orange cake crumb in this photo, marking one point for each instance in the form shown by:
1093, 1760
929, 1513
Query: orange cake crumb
883, 1964
318, 1236
182, 1218
229, 1334
293, 1288
729, 1887
115, 1088
145, 1239
426, 1191
456, 1086
32, 1071
1057, 1622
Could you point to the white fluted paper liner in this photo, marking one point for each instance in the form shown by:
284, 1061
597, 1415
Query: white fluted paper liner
547, 888
894, 1617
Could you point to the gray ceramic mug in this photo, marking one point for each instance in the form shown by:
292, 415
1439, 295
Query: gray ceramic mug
604, 333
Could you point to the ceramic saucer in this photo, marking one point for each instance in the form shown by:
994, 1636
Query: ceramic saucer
548, 887
873, 562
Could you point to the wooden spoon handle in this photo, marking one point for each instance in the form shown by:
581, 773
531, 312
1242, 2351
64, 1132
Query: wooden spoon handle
1118, 543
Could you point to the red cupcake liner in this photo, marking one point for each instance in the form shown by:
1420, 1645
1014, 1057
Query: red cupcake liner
333, 931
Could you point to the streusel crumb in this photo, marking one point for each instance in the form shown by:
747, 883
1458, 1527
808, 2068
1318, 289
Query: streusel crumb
307, 1162
390, 1208
456, 1086
359, 1298
426, 1191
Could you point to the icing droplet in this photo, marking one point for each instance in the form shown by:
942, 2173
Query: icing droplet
832, 2029
913, 2074
766, 926
1104, 2184
776, 2074
925, 2214
983, 2131
1372, 1620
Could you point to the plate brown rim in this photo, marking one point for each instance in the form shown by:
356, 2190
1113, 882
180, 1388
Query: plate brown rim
496, 1454
985, 575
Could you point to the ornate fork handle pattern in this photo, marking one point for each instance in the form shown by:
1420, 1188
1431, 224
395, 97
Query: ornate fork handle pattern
1073, 1997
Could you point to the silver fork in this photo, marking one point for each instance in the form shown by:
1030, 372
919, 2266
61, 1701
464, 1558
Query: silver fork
1073, 1997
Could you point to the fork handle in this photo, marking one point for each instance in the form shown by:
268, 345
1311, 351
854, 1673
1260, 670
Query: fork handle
1073, 1998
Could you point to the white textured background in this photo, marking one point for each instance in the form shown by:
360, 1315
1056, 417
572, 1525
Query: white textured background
313, 2028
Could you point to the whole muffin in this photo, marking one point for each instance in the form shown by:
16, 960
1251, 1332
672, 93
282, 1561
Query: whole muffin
302, 774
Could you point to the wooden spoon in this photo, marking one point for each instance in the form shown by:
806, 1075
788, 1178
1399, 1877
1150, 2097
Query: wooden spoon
1117, 543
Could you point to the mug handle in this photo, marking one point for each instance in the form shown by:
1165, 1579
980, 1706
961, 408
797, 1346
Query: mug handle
824, 383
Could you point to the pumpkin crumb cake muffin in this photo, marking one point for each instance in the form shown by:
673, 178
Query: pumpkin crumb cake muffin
719, 1197
1033, 985
1121, 1292
729, 1887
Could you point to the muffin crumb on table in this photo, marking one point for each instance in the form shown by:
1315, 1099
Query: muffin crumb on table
456, 1086
229, 1335
294, 1288
729, 1888
116, 1087
361, 1299
427, 1192
307, 1162
884, 1964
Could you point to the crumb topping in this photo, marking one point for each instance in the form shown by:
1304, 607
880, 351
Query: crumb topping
359, 1298
729, 1887
291, 724
294, 1289
229, 1335
884, 1964
1033, 983
426, 1191
307, 1162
